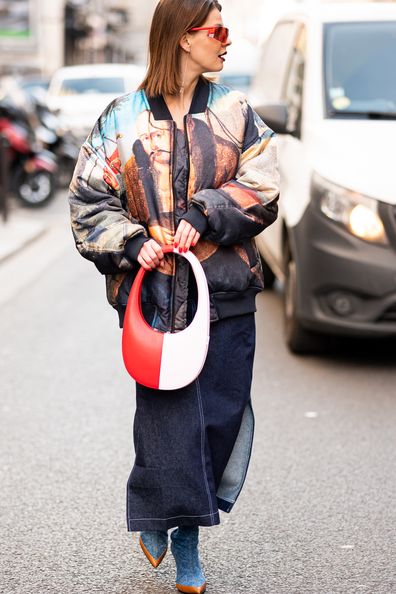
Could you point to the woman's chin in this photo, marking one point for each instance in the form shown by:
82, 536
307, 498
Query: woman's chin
218, 66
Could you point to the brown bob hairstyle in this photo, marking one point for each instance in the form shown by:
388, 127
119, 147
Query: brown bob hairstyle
171, 20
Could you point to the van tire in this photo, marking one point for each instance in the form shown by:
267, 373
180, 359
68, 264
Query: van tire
299, 340
269, 276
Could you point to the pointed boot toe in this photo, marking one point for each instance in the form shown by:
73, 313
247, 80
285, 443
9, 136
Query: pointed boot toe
154, 545
191, 589
190, 577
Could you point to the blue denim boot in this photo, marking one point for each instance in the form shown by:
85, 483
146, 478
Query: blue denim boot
154, 544
184, 546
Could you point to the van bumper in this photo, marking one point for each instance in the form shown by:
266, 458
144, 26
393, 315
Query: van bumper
346, 286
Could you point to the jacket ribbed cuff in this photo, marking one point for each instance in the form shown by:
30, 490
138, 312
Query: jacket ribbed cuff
196, 218
133, 247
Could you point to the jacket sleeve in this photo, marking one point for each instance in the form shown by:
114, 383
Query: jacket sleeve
244, 206
100, 221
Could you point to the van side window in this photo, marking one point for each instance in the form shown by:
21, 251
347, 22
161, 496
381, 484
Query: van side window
270, 78
293, 91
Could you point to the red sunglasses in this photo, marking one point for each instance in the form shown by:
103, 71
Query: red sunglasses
219, 33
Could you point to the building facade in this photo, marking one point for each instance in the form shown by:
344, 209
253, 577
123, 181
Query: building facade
42, 35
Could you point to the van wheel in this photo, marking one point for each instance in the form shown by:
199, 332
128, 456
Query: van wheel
298, 339
269, 276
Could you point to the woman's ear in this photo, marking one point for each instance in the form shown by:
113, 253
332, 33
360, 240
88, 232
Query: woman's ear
185, 43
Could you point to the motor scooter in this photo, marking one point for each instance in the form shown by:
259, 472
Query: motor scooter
32, 168
57, 139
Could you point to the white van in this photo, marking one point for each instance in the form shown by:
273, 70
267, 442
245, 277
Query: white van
240, 65
326, 84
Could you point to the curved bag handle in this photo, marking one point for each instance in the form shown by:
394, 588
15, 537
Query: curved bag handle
166, 361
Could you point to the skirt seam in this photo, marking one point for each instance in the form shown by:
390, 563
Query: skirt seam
203, 447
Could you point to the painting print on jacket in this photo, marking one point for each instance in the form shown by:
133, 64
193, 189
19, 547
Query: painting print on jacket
122, 193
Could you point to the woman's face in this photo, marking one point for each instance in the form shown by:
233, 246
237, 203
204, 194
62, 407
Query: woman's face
206, 51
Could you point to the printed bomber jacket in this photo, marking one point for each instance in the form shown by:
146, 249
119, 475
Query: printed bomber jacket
123, 193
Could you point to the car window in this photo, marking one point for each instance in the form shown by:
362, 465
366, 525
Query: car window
269, 82
78, 86
366, 81
293, 91
241, 81
35, 84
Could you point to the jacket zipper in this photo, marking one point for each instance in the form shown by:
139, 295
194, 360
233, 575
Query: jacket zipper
187, 145
188, 155
174, 198
187, 149
174, 125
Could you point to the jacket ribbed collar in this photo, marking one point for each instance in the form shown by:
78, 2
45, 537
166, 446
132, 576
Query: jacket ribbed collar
199, 102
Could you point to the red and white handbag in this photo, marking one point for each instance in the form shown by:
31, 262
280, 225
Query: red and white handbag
166, 361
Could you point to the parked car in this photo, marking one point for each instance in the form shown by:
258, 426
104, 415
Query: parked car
81, 93
326, 84
33, 84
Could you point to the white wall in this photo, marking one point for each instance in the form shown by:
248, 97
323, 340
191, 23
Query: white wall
51, 35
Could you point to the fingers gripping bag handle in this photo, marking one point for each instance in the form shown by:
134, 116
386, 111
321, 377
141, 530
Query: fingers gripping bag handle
166, 361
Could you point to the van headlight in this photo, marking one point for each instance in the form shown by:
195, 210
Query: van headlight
356, 212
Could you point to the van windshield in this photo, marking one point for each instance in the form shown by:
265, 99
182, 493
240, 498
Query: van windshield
359, 69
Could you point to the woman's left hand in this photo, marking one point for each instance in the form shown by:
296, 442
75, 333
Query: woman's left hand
186, 236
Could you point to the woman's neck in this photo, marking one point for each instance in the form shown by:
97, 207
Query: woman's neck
189, 77
182, 100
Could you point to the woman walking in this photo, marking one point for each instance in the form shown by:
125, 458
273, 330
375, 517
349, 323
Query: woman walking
187, 162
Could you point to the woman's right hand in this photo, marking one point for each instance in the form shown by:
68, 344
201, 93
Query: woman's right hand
151, 255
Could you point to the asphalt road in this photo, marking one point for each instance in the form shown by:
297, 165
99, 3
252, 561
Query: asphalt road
317, 513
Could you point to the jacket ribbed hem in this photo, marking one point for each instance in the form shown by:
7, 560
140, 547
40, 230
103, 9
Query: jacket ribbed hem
230, 304
226, 305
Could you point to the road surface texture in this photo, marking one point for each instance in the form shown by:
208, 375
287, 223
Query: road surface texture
317, 513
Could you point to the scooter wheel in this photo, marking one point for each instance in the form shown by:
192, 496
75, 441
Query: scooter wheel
36, 189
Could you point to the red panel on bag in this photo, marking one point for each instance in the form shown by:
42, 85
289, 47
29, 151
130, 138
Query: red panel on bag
141, 345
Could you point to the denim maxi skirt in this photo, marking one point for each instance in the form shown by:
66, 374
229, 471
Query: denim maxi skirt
193, 445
